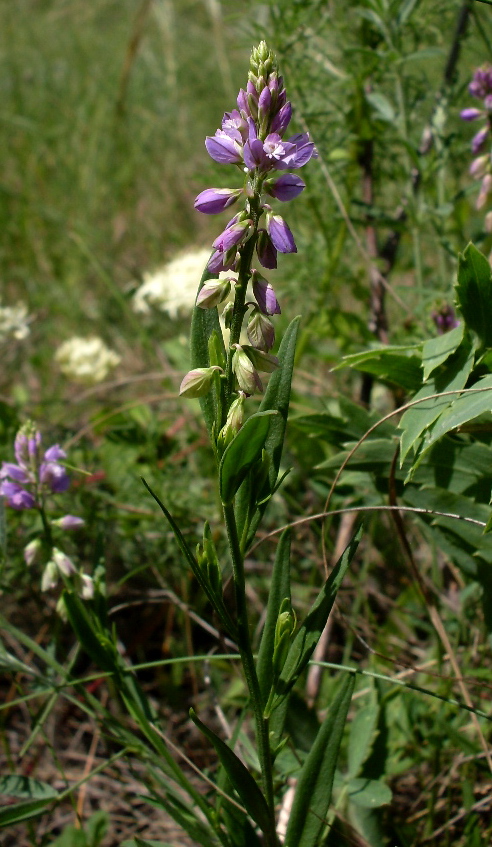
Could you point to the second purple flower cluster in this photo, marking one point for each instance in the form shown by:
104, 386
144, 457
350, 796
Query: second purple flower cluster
481, 167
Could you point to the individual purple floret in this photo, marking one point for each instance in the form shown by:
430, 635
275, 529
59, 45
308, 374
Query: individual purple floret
481, 166
36, 474
444, 318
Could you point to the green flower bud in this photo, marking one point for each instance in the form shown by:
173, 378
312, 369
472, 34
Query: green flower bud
284, 630
50, 576
261, 331
262, 361
233, 424
246, 374
198, 382
213, 292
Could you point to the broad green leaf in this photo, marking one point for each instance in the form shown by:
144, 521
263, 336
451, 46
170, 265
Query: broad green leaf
315, 783
310, 630
279, 590
460, 411
22, 811
24, 787
398, 365
363, 731
242, 453
474, 293
451, 376
369, 793
204, 323
436, 350
241, 779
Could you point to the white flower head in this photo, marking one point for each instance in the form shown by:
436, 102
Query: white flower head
173, 288
86, 360
14, 322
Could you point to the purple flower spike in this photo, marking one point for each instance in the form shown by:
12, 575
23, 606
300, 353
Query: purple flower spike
265, 295
470, 114
280, 234
223, 149
286, 187
215, 200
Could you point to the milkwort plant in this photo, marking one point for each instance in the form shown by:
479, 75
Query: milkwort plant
243, 807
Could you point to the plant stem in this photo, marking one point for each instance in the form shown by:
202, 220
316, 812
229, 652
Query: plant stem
244, 644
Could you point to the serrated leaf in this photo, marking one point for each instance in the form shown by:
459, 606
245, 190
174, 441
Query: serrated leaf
310, 630
241, 779
279, 590
474, 293
436, 350
242, 453
315, 783
369, 793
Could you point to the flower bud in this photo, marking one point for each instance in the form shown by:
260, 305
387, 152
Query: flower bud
260, 331
234, 422
213, 292
284, 630
198, 382
262, 361
63, 563
68, 522
50, 576
87, 587
265, 295
246, 374
32, 552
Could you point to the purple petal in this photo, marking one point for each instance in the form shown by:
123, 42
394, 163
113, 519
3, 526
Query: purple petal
265, 101
282, 118
305, 149
232, 234
470, 114
281, 236
479, 140
223, 149
17, 497
265, 295
54, 453
220, 262
286, 187
267, 253
215, 200
69, 522
54, 476
14, 472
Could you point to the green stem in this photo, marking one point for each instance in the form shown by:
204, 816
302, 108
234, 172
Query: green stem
247, 659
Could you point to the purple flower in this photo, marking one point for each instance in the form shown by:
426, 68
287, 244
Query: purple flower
282, 119
224, 149
233, 234
35, 475
265, 295
267, 253
286, 187
479, 140
221, 262
215, 200
470, 114
16, 496
280, 234
54, 476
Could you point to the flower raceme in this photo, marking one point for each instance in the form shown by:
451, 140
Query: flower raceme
481, 166
36, 474
253, 138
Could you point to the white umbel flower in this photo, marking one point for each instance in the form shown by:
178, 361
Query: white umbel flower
86, 360
14, 322
172, 288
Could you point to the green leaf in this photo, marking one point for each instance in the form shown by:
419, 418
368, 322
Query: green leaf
382, 105
140, 842
204, 323
310, 630
363, 731
185, 815
279, 590
436, 350
98, 646
397, 365
241, 779
451, 376
369, 793
315, 784
25, 787
474, 293
462, 410
22, 811
242, 453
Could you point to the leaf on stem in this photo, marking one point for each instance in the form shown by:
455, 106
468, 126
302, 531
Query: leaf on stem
243, 451
474, 293
279, 590
241, 779
314, 788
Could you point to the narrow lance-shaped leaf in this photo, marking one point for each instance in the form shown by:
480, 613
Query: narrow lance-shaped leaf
254, 801
310, 630
279, 590
314, 787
